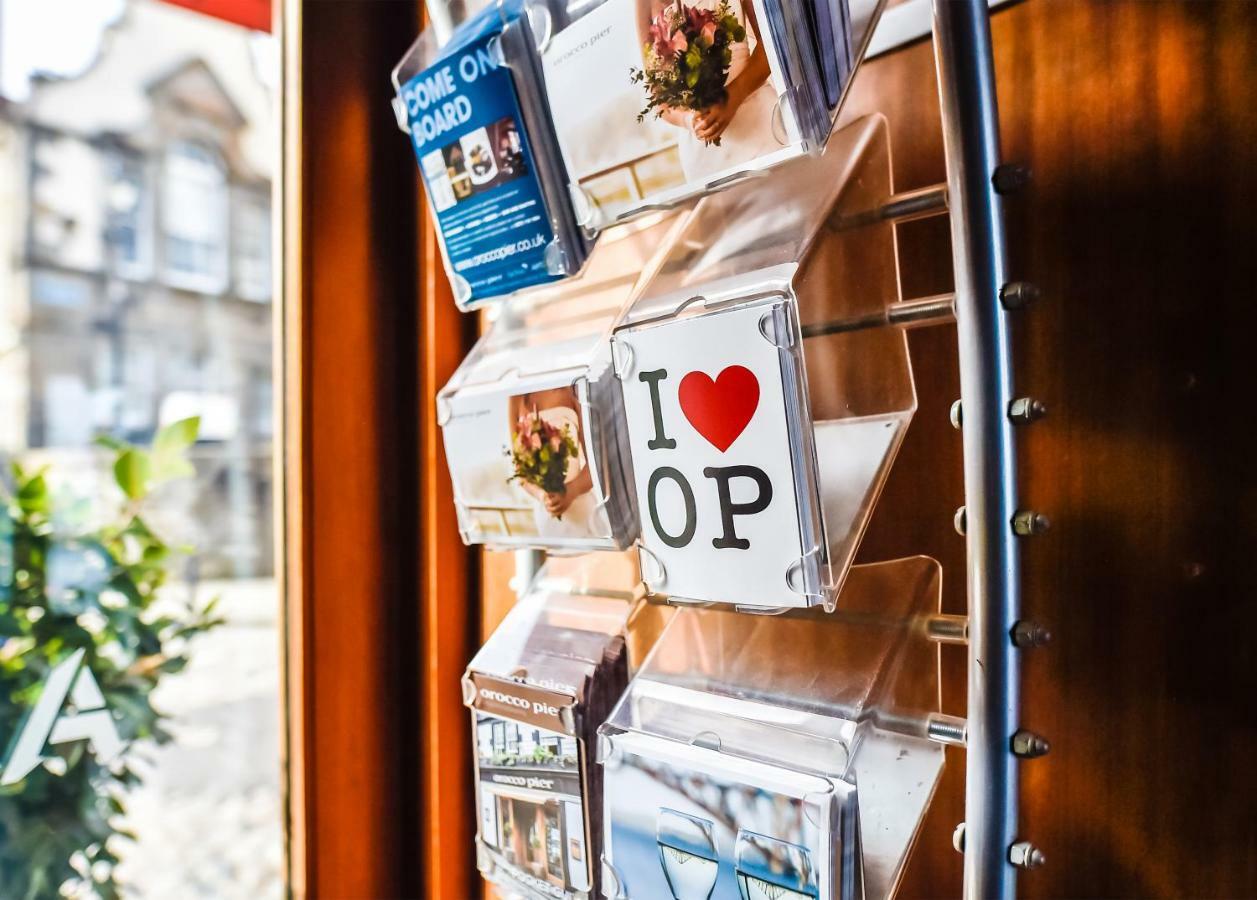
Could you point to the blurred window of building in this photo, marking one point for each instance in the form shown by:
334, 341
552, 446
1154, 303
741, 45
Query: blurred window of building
128, 205
251, 243
194, 217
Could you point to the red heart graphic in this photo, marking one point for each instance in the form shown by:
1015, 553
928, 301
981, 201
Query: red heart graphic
720, 410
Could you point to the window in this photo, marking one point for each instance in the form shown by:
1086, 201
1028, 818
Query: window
251, 243
194, 218
127, 212
61, 291
66, 219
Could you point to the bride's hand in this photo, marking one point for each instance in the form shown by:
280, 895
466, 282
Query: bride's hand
710, 123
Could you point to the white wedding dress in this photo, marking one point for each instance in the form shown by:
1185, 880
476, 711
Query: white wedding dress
749, 135
583, 518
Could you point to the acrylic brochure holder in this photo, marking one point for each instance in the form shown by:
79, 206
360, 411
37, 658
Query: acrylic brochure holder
780, 756
765, 391
538, 689
532, 419
624, 160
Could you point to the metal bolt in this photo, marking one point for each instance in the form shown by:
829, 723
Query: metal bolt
1026, 855
1025, 410
1010, 178
1018, 294
1028, 634
958, 838
955, 415
1029, 745
958, 520
1027, 522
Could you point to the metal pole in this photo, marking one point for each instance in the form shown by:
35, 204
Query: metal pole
966, 85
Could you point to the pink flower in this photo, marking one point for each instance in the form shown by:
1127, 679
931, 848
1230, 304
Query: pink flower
534, 441
708, 34
679, 43
555, 443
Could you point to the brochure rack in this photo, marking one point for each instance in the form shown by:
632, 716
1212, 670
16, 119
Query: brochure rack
788, 752
991, 519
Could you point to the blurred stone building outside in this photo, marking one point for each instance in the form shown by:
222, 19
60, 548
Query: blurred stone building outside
135, 272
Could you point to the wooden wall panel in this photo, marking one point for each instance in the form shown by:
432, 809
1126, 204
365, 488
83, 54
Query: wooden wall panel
1139, 121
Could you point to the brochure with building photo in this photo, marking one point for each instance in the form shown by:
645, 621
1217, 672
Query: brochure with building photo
655, 101
529, 793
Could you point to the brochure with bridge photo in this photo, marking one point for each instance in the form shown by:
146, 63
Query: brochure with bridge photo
656, 101
692, 823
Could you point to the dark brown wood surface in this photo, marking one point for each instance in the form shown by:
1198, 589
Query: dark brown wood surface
1139, 121
370, 545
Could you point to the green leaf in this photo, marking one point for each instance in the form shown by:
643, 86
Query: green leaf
32, 493
177, 436
169, 461
131, 470
109, 442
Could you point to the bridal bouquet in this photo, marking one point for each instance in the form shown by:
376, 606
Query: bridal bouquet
539, 453
688, 57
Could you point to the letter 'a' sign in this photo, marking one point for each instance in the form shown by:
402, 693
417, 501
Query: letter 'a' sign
723, 456
51, 722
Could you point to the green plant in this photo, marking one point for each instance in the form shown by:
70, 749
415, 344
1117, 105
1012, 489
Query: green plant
64, 588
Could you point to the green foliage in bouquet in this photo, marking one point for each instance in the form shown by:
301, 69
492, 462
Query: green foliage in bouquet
687, 58
93, 589
539, 453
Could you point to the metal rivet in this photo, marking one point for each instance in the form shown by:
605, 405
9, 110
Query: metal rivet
1030, 634
1018, 294
1025, 410
958, 838
1027, 522
958, 520
1010, 178
955, 415
1029, 745
1026, 855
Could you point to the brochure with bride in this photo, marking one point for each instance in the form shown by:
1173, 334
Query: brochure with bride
691, 95
494, 178
532, 419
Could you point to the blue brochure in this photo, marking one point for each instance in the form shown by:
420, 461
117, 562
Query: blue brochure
478, 164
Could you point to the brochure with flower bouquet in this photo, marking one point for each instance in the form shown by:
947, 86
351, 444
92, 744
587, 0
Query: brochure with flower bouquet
777, 756
474, 108
693, 95
533, 418
538, 690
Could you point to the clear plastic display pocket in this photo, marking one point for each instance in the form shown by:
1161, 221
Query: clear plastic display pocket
693, 96
777, 756
538, 689
754, 488
532, 419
